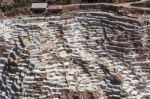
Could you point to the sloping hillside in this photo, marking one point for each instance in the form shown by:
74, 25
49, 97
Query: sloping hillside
83, 54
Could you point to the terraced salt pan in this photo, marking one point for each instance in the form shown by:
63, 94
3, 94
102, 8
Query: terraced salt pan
75, 55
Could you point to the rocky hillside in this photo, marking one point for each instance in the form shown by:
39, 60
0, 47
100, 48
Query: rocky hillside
80, 54
11, 8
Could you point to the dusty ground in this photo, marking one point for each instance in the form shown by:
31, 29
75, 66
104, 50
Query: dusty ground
1, 15
8, 2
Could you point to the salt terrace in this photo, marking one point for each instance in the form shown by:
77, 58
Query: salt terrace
82, 54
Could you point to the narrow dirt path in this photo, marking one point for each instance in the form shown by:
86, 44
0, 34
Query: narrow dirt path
129, 4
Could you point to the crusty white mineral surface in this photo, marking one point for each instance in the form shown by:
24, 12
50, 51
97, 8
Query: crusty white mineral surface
94, 55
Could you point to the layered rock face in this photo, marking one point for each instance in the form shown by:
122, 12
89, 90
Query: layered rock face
92, 55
